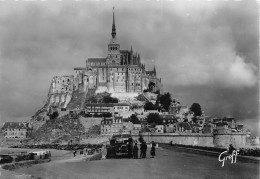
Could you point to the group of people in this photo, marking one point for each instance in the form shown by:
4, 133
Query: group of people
133, 150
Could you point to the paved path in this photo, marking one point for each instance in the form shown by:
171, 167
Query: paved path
167, 164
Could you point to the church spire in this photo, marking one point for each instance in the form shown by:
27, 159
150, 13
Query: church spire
113, 26
154, 70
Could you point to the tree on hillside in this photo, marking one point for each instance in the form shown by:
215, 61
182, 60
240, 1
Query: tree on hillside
54, 115
149, 106
194, 119
151, 86
154, 118
195, 107
165, 100
109, 99
134, 119
93, 99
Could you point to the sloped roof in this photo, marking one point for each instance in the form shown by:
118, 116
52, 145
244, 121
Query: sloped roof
97, 59
79, 68
167, 116
107, 104
120, 104
149, 72
100, 104
124, 51
14, 125
229, 119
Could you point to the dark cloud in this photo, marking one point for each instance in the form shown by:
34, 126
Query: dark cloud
205, 52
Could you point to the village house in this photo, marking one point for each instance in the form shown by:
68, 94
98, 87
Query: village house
239, 127
208, 128
117, 125
196, 128
112, 126
93, 108
105, 128
175, 107
159, 129
121, 107
136, 129
99, 108
168, 119
15, 130
182, 127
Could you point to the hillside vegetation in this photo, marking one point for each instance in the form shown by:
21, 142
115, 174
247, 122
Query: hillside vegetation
63, 128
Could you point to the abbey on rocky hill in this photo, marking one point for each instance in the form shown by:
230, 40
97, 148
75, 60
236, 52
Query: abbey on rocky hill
120, 71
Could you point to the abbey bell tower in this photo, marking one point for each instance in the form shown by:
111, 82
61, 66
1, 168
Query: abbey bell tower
113, 46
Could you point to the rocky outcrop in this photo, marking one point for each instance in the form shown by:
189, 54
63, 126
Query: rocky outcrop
68, 126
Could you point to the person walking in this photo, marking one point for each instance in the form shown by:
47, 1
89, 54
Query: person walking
84, 151
135, 152
142, 150
74, 153
145, 149
129, 150
231, 149
152, 153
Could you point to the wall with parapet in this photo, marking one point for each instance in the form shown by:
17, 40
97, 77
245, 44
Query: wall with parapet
238, 140
184, 138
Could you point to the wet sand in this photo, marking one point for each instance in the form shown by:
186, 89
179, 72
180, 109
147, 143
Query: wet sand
166, 164
58, 156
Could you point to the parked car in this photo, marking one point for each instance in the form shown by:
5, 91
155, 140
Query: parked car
118, 146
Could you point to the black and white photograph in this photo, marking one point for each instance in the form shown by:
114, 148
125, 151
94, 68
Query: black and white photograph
129, 89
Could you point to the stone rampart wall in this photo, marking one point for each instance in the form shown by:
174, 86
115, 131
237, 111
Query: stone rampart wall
238, 140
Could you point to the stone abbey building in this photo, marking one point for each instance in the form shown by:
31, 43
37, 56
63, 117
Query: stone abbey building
120, 71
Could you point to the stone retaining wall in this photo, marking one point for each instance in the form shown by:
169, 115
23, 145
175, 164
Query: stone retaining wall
238, 140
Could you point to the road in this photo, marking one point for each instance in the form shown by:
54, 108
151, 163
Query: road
167, 164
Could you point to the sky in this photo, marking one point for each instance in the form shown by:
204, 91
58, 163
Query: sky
204, 51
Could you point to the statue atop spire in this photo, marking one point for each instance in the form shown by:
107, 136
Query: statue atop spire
113, 26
